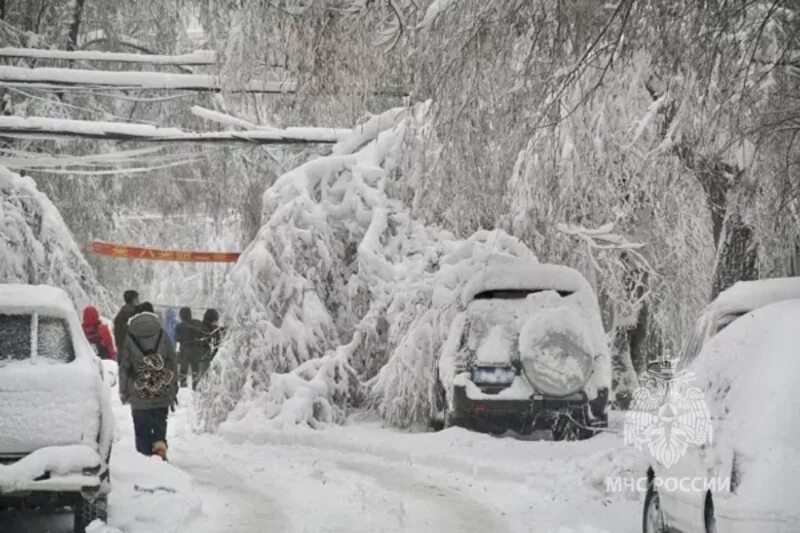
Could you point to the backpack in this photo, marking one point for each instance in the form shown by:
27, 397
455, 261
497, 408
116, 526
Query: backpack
153, 378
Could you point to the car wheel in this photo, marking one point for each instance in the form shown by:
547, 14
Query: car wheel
565, 429
87, 510
653, 516
708, 515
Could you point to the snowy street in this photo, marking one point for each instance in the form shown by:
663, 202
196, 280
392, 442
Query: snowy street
361, 477
399, 266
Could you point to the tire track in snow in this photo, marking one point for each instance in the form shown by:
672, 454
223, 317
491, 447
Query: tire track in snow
457, 511
230, 503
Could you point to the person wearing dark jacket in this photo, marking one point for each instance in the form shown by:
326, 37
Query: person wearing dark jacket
125, 313
98, 334
191, 347
148, 369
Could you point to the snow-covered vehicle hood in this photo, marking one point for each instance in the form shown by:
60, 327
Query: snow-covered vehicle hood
46, 402
544, 316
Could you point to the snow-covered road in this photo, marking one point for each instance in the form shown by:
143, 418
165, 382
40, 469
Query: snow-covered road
361, 478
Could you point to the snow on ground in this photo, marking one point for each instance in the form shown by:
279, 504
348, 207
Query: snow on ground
359, 477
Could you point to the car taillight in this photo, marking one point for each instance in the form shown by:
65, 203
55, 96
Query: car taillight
480, 407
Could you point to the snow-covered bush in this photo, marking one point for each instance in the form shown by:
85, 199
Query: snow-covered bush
343, 295
36, 246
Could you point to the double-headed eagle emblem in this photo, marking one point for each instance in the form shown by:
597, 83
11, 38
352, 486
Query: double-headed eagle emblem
667, 415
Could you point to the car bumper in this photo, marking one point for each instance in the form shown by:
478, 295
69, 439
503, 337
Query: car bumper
54, 483
477, 412
56, 469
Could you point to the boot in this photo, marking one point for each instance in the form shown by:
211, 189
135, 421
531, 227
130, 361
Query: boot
160, 449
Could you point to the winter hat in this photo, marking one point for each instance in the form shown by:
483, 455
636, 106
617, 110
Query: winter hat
91, 316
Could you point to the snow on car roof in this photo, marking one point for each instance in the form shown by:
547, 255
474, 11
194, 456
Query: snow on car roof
511, 273
29, 298
746, 296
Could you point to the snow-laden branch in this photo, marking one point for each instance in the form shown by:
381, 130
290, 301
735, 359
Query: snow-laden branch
134, 80
222, 118
230, 120
41, 127
198, 57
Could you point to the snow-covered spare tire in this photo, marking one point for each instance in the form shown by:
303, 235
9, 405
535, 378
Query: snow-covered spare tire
555, 352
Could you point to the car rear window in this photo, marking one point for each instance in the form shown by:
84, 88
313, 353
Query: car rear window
54, 341
514, 294
15, 337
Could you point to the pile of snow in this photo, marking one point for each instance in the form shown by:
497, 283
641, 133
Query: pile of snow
148, 494
342, 274
36, 246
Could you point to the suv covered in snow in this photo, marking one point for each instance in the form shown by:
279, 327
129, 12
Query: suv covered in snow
529, 352
56, 424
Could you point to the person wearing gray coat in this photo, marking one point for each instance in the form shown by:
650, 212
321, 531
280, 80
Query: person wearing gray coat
148, 379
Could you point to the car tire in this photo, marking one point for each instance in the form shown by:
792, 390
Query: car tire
708, 515
653, 516
565, 429
87, 510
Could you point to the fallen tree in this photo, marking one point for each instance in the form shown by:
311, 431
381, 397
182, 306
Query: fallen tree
198, 57
39, 127
344, 298
36, 246
67, 77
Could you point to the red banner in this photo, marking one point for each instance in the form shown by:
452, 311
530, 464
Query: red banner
154, 254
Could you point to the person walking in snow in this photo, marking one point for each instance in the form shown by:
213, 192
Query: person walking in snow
98, 334
125, 313
171, 323
191, 347
148, 380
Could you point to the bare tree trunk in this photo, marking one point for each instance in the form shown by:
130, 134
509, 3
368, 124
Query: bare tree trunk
74, 27
716, 178
737, 254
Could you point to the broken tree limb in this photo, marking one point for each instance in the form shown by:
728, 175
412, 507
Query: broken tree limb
232, 121
40, 127
198, 57
134, 80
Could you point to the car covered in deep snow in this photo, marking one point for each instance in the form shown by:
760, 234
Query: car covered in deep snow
56, 423
743, 356
528, 352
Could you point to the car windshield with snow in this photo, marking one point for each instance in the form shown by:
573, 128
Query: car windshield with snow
55, 418
529, 352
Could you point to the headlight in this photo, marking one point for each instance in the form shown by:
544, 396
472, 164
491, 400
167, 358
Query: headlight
493, 375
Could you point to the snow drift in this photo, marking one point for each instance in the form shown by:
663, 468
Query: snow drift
344, 298
36, 247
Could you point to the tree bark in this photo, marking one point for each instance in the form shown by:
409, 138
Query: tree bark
75, 25
737, 254
716, 178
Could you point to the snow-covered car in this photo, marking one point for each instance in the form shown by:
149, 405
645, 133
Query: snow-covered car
56, 423
743, 357
529, 352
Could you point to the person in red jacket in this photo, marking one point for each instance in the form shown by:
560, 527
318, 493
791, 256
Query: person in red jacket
98, 334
